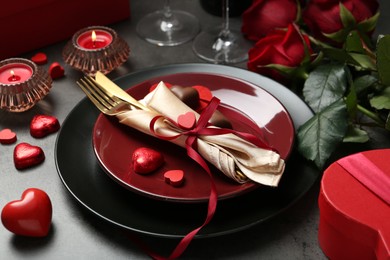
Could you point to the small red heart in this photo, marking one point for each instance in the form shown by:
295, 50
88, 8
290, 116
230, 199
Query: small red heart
146, 160
174, 177
56, 70
7, 136
43, 125
187, 120
39, 58
30, 216
27, 155
205, 96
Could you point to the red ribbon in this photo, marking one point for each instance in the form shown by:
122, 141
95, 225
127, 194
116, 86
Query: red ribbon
191, 146
368, 174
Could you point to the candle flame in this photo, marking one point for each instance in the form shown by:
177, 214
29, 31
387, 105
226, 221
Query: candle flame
12, 73
93, 36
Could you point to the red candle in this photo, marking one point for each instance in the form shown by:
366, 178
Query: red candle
14, 73
94, 39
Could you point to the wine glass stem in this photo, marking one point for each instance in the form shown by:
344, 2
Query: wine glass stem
225, 18
167, 9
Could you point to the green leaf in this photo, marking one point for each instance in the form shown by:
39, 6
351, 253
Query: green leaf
383, 59
381, 101
326, 84
319, 137
363, 60
356, 135
347, 17
364, 82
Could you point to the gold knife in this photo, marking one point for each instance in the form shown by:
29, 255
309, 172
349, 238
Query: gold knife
115, 90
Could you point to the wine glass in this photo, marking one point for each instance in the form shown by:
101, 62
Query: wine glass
224, 46
168, 27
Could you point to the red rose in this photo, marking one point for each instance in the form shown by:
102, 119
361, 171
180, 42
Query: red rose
323, 16
280, 48
264, 16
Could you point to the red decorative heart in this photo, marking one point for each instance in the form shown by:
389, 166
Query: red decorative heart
205, 96
7, 136
30, 216
27, 155
56, 70
186, 121
174, 177
146, 160
39, 58
43, 125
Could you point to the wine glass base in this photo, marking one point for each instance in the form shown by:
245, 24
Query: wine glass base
210, 46
155, 28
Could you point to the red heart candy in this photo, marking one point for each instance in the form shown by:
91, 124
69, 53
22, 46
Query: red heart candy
30, 216
56, 70
43, 125
27, 155
7, 136
205, 96
39, 58
187, 120
146, 160
174, 177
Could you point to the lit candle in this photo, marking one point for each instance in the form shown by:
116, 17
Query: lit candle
22, 84
94, 39
95, 48
14, 73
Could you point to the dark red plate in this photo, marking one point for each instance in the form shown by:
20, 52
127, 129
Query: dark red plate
114, 143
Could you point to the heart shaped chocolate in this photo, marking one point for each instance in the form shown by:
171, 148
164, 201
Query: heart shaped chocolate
7, 136
146, 160
56, 70
43, 125
187, 120
39, 58
188, 95
174, 177
27, 155
30, 216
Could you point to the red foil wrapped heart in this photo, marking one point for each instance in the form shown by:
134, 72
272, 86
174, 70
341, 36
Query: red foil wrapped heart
27, 155
146, 160
7, 136
30, 216
43, 125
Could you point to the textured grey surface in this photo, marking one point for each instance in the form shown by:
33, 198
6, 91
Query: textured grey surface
76, 233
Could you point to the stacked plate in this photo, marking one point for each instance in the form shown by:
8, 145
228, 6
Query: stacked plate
93, 156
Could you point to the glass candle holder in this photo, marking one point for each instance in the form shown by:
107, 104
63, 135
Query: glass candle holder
22, 84
95, 48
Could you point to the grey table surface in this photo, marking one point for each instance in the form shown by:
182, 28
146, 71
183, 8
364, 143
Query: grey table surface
78, 234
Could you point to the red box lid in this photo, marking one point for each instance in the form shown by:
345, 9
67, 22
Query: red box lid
351, 209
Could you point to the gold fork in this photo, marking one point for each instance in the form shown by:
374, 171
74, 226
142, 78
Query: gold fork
106, 103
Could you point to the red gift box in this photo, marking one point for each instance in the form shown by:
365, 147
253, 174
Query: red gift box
354, 204
27, 25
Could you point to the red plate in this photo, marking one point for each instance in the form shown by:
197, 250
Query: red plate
115, 143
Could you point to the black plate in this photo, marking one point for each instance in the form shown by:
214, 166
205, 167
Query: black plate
82, 176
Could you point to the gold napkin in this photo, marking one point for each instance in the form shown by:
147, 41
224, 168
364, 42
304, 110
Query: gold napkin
227, 152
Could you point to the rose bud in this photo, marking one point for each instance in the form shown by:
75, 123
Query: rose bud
263, 16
